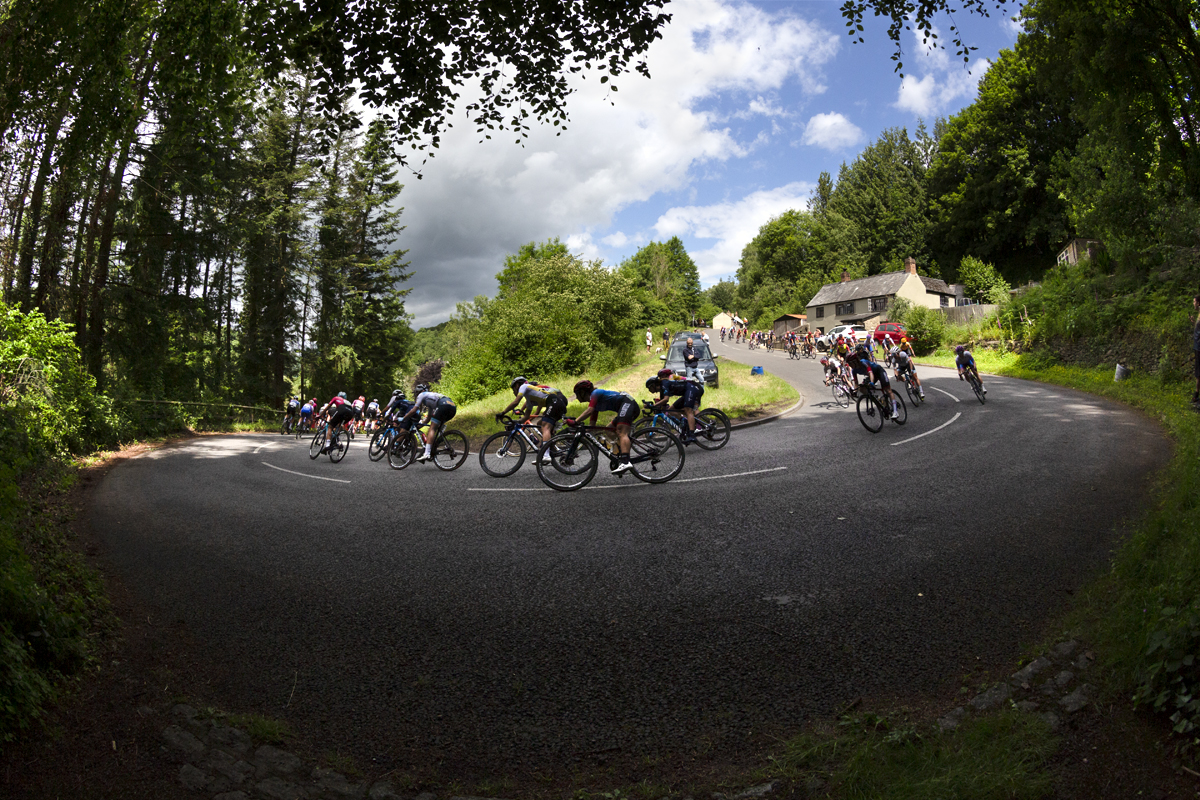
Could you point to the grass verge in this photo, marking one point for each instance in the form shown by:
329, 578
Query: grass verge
741, 395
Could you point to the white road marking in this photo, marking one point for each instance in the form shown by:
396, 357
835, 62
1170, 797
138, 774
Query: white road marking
943, 391
926, 433
631, 485
304, 475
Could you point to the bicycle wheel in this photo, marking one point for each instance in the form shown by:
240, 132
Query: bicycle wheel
913, 394
977, 386
840, 395
502, 454
284, 428
380, 442
450, 450
869, 413
403, 450
317, 443
712, 429
339, 443
901, 415
572, 463
657, 455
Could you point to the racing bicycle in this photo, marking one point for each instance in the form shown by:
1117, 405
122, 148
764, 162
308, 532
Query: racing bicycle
448, 452
712, 425
874, 409
656, 454
339, 443
503, 453
976, 384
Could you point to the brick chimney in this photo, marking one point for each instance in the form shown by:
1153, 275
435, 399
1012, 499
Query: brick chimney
910, 265
845, 276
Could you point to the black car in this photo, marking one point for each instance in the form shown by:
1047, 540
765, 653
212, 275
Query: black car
706, 365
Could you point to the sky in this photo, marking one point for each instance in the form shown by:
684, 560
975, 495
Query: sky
748, 102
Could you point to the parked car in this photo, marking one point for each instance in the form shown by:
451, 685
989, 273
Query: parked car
827, 341
893, 329
706, 364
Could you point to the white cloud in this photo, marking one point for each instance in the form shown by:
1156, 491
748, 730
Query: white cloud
731, 224
832, 132
480, 201
1012, 26
944, 80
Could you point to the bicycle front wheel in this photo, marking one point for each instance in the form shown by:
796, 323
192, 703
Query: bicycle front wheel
502, 454
572, 463
403, 450
450, 450
657, 455
840, 395
869, 413
978, 387
913, 394
379, 444
712, 429
317, 443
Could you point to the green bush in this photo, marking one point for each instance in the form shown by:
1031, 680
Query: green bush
926, 327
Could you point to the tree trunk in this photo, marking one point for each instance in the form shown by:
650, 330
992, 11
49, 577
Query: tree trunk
95, 339
29, 242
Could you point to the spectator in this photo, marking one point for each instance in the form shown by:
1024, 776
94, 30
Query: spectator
690, 361
649, 340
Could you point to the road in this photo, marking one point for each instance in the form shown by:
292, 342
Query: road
422, 618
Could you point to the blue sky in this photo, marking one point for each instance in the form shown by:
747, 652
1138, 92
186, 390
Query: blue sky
748, 103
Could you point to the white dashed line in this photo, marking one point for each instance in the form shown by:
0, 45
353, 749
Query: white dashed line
304, 475
943, 391
926, 433
632, 485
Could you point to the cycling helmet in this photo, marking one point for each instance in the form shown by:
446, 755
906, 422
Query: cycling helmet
654, 384
360, 397
375, 401
517, 381
342, 395
861, 350
421, 387
398, 393
583, 390
959, 350
825, 361
665, 374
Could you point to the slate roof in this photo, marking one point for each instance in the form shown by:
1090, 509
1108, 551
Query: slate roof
875, 286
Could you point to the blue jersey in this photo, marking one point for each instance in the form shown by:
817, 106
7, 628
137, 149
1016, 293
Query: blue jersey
965, 360
607, 400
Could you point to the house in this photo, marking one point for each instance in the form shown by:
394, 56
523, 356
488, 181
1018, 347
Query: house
788, 323
864, 301
724, 320
1078, 249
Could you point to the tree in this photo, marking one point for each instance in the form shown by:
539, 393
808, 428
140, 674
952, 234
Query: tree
665, 280
981, 282
722, 294
992, 183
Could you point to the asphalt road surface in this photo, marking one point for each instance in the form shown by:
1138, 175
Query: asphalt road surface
420, 617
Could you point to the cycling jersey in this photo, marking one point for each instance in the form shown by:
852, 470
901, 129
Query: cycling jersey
863, 366
538, 395
372, 408
358, 405
293, 406
339, 411
441, 408
688, 392
625, 406
307, 409
966, 360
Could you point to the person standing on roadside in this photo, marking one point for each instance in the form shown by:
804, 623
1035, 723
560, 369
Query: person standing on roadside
1196, 347
690, 361
666, 338
649, 340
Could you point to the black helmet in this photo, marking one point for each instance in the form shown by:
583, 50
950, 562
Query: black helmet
861, 350
583, 390
421, 387
517, 381
654, 384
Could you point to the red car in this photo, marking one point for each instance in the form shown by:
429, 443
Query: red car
893, 329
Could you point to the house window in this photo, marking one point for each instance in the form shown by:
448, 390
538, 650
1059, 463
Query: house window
845, 308
878, 304
945, 301
820, 312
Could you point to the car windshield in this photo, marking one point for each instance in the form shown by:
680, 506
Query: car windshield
677, 351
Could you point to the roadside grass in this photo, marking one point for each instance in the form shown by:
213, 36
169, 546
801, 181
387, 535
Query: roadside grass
991, 757
740, 394
988, 361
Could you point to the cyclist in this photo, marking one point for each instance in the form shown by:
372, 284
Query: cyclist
552, 402
904, 366
338, 411
861, 364
831, 369
965, 361
397, 406
306, 413
292, 415
372, 414
441, 409
625, 407
668, 385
